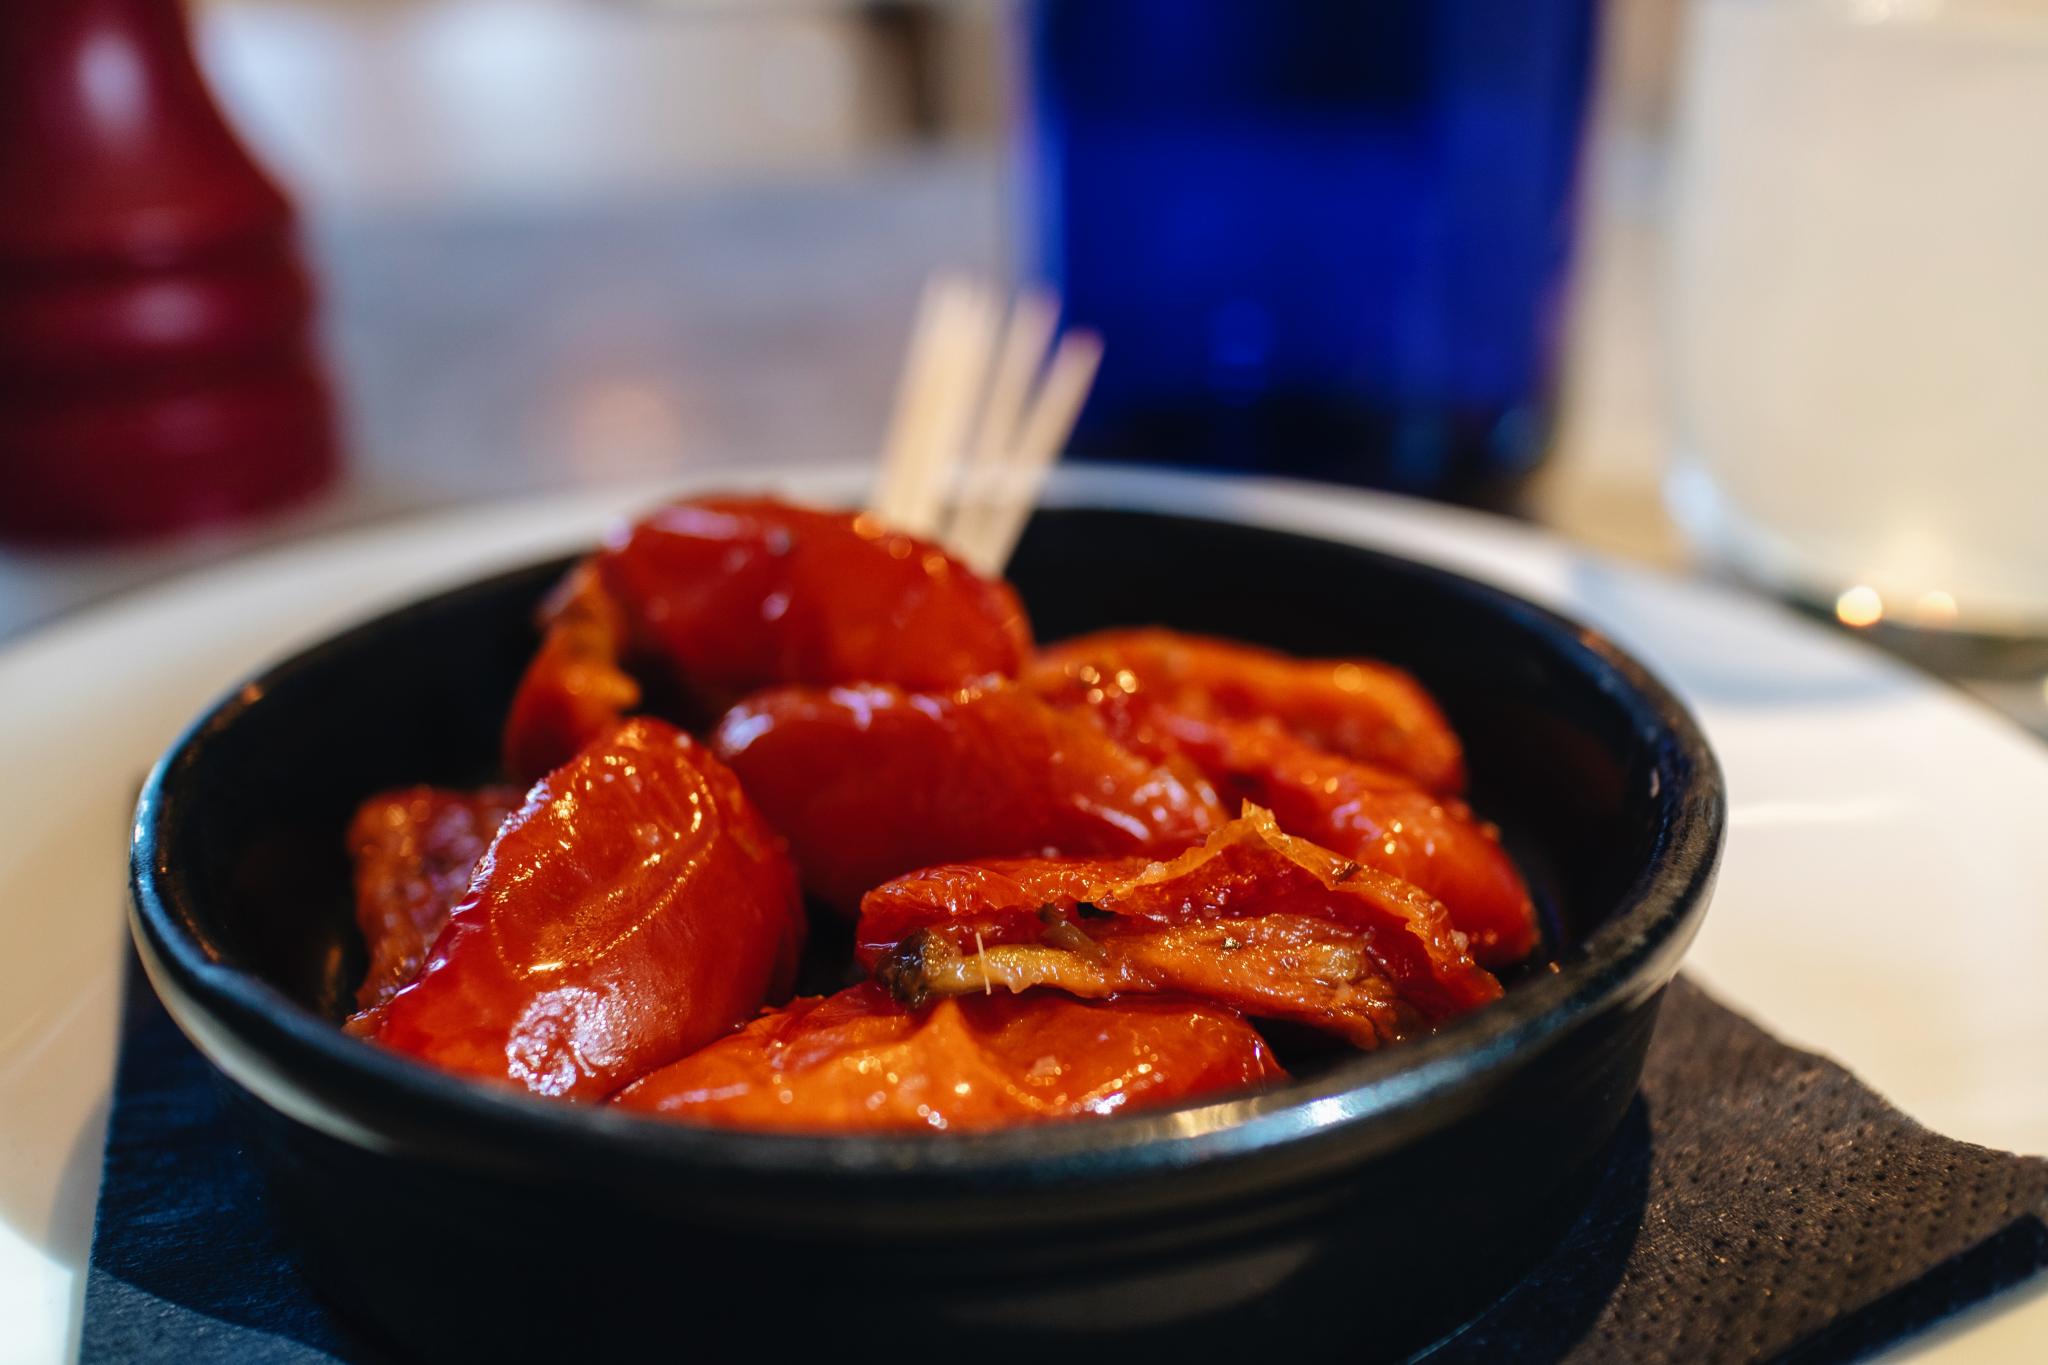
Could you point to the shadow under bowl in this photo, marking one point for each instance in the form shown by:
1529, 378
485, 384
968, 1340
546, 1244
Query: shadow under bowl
1372, 1204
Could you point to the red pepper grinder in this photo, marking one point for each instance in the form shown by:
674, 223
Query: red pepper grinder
156, 359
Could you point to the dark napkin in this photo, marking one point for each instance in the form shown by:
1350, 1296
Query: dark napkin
1760, 1204
1763, 1204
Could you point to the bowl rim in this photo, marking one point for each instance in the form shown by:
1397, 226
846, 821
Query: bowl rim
1368, 1102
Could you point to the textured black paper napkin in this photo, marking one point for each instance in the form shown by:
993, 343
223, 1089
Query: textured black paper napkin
1765, 1205
1761, 1204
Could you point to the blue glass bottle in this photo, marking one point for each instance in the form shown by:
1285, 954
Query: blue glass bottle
1320, 237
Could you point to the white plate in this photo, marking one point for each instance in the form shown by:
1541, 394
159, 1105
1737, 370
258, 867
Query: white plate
1884, 898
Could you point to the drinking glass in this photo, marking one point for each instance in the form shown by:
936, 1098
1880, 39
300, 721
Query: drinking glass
1319, 237
1858, 305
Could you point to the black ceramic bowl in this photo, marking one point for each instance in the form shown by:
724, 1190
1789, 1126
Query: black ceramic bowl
1371, 1204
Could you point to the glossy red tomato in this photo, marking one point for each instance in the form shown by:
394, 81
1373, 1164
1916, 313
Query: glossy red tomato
1377, 815
636, 907
414, 852
870, 782
716, 597
859, 1062
738, 593
1359, 708
1382, 816
1254, 919
1381, 819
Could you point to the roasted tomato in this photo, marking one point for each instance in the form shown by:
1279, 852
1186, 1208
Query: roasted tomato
716, 597
575, 689
414, 851
870, 782
1383, 820
1358, 708
1377, 815
860, 1062
636, 907
1254, 919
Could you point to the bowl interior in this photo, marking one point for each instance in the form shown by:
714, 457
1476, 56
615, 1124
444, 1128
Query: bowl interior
1571, 750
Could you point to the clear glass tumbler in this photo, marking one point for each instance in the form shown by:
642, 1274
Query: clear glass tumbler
1858, 303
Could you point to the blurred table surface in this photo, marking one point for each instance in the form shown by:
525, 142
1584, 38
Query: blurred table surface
568, 243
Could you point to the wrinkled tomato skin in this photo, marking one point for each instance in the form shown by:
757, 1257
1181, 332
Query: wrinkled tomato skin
414, 852
1376, 816
636, 907
1382, 816
1253, 867
1359, 708
1248, 871
734, 594
858, 1062
575, 688
1428, 840
998, 898
870, 782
